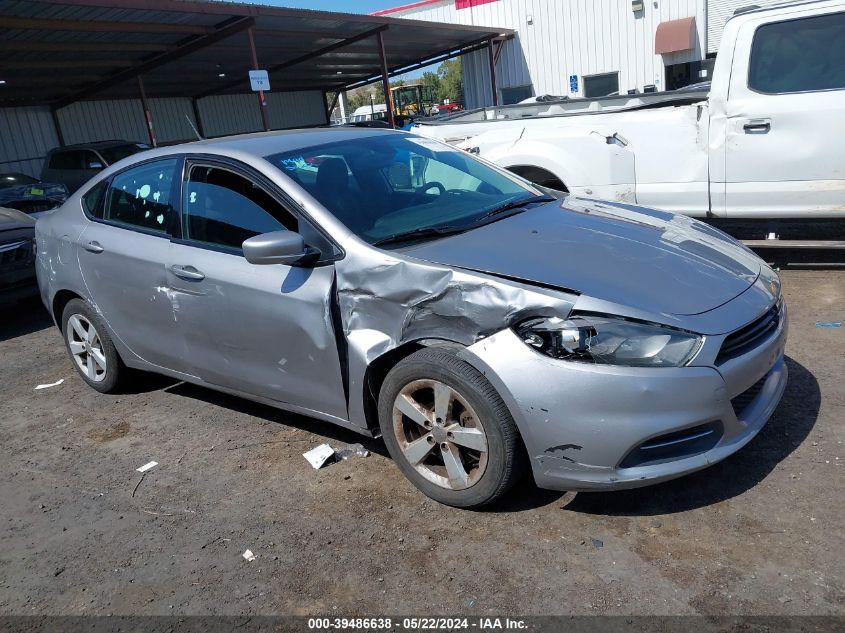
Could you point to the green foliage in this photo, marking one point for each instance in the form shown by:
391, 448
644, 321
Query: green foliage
451, 81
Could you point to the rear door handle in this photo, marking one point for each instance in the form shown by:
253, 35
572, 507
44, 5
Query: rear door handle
93, 247
187, 272
757, 126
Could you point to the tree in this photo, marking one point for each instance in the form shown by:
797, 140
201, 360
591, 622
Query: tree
451, 81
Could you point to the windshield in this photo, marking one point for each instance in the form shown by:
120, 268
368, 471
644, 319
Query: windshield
390, 184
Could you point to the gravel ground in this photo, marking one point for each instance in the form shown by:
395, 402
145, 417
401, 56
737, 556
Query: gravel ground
760, 533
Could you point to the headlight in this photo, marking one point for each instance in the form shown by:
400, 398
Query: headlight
609, 341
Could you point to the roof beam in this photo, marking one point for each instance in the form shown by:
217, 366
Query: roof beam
224, 30
82, 47
94, 26
300, 59
40, 64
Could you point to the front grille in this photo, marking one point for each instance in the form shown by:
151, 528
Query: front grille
676, 445
741, 402
746, 337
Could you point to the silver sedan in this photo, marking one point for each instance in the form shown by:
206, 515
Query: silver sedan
393, 285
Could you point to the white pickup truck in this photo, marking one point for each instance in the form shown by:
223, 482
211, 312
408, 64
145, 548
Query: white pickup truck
767, 141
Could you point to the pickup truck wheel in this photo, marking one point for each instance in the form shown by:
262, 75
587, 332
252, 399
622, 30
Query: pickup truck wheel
448, 429
90, 347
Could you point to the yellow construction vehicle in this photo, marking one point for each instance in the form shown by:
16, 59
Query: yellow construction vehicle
412, 100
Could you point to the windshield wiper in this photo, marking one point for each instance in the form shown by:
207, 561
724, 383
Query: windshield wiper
429, 231
514, 204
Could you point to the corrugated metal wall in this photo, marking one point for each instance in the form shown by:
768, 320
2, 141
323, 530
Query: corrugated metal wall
26, 134
719, 12
568, 37
87, 121
172, 119
230, 114
235, 114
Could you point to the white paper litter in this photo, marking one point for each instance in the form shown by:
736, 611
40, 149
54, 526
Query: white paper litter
248, 555
146, 467
318, 456
52, 384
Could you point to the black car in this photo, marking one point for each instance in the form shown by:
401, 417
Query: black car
30, 195
17, 255
73, 165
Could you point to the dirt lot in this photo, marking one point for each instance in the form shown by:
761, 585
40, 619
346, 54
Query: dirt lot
759, 533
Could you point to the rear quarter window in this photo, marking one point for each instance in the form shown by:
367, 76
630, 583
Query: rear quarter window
92, 201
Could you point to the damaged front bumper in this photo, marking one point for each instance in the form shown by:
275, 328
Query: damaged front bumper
600, 427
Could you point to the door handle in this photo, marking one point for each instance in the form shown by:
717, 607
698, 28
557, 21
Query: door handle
93, 247
187, 272
757, 126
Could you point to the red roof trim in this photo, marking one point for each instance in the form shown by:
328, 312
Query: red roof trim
405, 7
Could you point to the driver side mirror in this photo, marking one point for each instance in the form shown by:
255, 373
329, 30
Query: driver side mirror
279, 247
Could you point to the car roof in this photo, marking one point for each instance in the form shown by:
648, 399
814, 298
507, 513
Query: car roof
267, 143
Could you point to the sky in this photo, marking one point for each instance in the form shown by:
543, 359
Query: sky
346, 6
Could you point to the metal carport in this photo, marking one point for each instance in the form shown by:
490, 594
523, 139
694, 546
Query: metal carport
60, 55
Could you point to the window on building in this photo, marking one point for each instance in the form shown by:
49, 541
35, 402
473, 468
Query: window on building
800, 55
141, 197
601, 85
516, 94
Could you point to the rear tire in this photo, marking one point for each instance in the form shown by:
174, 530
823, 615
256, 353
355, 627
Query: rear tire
91, 349
448, 429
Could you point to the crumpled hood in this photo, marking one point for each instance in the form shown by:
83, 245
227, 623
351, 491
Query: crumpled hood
637, 257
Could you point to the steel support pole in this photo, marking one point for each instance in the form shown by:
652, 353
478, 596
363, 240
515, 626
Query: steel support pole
262, 102
148, 115
385, 80
197, 116
57, 124
492, 59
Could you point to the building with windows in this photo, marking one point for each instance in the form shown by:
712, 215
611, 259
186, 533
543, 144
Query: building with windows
585, 48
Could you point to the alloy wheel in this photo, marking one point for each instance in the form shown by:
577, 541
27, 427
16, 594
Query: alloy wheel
440, 434
86, 348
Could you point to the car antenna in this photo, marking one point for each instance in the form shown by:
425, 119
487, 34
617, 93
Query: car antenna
194, 128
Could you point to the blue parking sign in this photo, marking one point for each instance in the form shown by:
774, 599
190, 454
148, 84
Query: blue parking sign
573, 83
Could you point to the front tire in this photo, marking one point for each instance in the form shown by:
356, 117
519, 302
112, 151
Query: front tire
448, 429
91, 349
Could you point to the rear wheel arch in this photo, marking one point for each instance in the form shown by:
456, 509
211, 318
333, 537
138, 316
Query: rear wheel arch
539, 176
60, 300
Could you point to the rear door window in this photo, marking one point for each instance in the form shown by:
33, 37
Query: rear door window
803, 55
142, 197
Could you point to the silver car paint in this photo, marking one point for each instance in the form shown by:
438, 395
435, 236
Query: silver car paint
311, 354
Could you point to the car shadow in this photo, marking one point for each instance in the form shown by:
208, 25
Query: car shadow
786, 430
332, 432
23, 317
